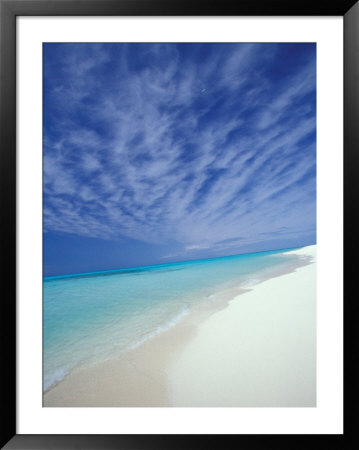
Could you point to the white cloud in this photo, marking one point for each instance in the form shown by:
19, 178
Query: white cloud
161, 168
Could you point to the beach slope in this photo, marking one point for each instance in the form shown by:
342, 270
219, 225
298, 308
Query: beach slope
259, 351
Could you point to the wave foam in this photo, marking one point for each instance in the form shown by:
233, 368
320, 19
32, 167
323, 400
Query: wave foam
53, 378
166, 326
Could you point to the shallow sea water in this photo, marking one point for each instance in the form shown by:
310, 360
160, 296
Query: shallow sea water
88, 318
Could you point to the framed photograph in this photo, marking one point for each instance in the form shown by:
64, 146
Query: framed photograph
174, 188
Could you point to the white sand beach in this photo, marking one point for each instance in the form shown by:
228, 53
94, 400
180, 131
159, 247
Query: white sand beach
258, 350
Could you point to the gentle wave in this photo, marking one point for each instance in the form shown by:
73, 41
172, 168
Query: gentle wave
54, 378
171, 323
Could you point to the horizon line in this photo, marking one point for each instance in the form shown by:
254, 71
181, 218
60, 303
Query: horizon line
124, 269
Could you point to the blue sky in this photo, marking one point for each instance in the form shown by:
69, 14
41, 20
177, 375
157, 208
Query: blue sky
156, 153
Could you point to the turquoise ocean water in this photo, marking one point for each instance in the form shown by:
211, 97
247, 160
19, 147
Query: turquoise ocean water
88, 318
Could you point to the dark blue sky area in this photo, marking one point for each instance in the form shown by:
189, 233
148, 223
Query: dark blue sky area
156, 153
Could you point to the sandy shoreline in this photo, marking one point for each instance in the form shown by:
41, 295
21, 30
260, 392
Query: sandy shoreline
258, 349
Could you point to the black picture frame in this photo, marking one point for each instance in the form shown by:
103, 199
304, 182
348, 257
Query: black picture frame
9, 10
